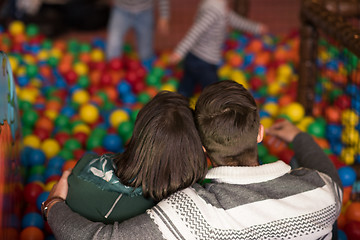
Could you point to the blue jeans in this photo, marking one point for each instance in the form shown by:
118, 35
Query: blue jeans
120, 22
196, 72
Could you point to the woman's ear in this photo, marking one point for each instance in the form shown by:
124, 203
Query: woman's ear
260, 134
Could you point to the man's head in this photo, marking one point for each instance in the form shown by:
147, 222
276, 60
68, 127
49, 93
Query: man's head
228, 121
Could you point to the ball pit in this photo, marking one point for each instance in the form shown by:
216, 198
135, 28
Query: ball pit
72, 102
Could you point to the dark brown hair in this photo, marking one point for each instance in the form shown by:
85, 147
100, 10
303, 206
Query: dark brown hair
165, 152
228, 122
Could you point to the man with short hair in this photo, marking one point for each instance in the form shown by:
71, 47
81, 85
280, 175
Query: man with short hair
244, 200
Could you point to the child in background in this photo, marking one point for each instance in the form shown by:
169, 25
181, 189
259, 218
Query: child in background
137, 14
202, 46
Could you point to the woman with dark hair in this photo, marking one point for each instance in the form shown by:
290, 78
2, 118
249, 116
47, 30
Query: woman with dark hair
163, 156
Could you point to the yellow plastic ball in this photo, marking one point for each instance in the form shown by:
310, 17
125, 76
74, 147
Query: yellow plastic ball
193, 100
21, 70
266, 122
81, 128
306, 121
350, 136
35, 82
349, 118
239, 77
56, 53
89, 113
272, 108
97, 55
29, 59
51, 114
347, 155
50, 147
43, 55
168, 87
31, 141
81, 96
48, 186
27, 95
295, 111
14, 63
284, 70
81, 68
16, 27
224, 71
117, 117
274, 88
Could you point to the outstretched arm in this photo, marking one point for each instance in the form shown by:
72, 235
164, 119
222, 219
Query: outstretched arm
307, 152
244, 24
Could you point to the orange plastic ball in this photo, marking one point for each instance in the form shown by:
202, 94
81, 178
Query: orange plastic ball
353, 212
32, 233
69, 165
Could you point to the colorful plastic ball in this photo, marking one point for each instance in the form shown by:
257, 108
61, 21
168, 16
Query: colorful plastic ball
350, 136
352, 230
37, 157
112, 143
32, 233
31, 141
93, 142
69, 165
16, 27
347, 155
41, 198
117, 117
349, 118
50, 147
317, 129
97, 55
49, 172
268, 159
81, 68
56, 162
32, 190
81, 128
347, 175
49, 185
341, 235
81, 96
66, 154
266, 122
29, 118
353, 212
125, 130
72, 144
272, 108
89, 113
295, 111
262, 151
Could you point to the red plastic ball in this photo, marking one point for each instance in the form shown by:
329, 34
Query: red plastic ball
352, 230
32, 191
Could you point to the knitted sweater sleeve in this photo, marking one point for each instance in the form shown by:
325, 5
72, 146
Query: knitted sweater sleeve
68, 225
309, 155
243, 24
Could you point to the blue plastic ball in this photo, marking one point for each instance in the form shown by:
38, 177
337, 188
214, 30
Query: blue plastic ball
41, 198
37, 157
56, 162
341, 235
32, 219
112, 143
347, 175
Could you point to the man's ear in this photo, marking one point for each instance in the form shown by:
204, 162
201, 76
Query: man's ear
260, 134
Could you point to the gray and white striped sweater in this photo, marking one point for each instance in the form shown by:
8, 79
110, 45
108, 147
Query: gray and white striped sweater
264, 202
136, 6
206, 36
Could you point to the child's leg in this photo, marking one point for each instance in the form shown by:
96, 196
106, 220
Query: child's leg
191, 72
209, 75
144, 29
119, 23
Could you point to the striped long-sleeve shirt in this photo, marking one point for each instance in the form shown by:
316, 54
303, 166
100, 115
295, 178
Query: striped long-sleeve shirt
136, 6
206, 37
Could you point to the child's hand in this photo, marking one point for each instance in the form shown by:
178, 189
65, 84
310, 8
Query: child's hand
174, 58
263, 29
163, 26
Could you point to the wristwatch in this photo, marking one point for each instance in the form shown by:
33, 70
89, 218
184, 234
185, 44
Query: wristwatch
47, 204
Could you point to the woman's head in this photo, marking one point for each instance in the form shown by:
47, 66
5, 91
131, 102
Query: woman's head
164, 153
